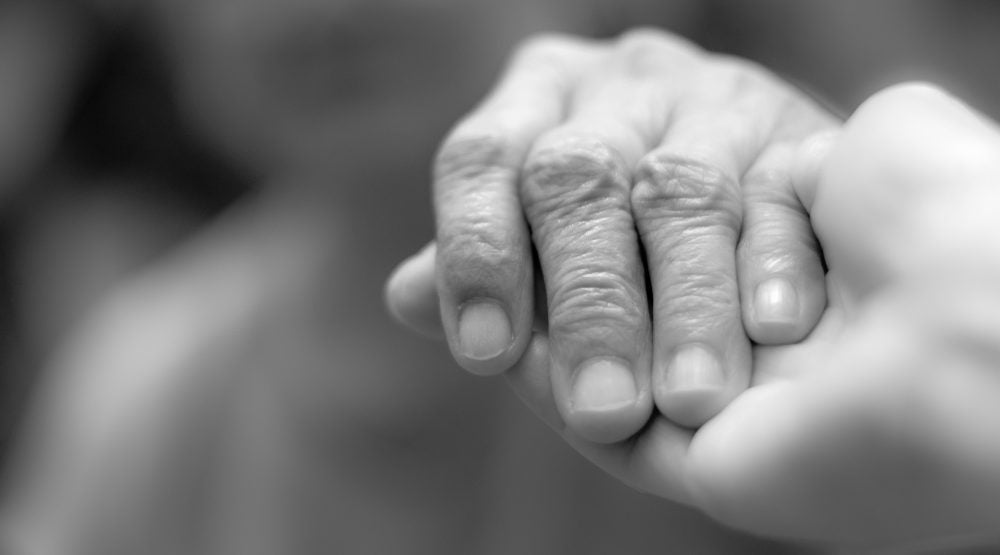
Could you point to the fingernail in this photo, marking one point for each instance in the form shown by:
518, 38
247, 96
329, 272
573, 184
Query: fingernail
694, 368
603, 384
776, 301
483, 330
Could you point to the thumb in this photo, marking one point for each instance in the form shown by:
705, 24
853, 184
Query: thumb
910, 184
411, 294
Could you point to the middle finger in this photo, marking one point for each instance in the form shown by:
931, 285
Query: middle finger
575, 189
687, 204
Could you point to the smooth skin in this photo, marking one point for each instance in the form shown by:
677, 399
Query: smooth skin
605, 160
880, 428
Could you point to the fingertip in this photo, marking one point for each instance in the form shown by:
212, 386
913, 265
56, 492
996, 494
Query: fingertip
532, 381
487, 309
489, 335
693, 408
605, 403
776, 301
411, 294
775, 312
784, 309
609, 426
693, 386
484, 335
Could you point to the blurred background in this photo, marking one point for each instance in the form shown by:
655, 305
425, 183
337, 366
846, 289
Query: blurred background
200, 202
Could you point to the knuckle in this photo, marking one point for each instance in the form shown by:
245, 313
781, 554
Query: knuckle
643, 40
474, 251
592, 298
738, 72
766, 191
776, 231
686, 190
646, 51
469, 153
700, 297
546, 48
747, 82
572, 172
778, 247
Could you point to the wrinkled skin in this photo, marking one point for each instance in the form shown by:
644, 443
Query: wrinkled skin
233, 386
617, 162
879, 429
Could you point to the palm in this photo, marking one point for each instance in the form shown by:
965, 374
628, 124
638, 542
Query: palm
855, 435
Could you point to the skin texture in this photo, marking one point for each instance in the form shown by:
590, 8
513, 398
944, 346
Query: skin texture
650, 181
880, 428
244, 394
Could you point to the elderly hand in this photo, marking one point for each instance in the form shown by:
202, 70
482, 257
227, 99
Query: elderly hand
881, 427
611, 159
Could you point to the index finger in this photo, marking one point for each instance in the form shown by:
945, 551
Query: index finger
484, 264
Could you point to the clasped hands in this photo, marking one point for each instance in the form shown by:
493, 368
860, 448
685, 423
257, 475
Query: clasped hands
721, 297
